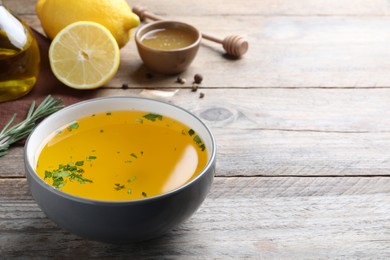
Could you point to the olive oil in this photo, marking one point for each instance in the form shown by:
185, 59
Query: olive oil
19, 57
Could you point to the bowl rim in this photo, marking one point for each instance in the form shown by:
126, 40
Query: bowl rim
30, 171
162, 23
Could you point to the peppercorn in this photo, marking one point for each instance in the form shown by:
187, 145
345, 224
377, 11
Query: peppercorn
198, 78
194, 87
125, 86
201, 95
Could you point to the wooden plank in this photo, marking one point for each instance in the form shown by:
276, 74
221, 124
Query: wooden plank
283, 131
287, 52
311, 110
266, 7
281, 153
298, 51
251, 7
242, 217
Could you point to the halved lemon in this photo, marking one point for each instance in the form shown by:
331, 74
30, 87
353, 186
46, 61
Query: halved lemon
84, 55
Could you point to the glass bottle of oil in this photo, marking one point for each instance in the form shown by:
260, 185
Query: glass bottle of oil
19, 57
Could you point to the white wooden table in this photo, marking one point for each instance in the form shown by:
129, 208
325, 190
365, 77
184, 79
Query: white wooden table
302, 124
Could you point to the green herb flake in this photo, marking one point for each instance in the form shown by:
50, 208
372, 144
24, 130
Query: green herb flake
153, 117
70, 171
80, 179
128, 191
48, 174
202, 147
144, 194
79, 163
108, 113
118, 186
134, 155
197, 139
91, 158
133, 178
59, 183
191, 132
73, 126
62, 174
101, 131
128, 161
139, 120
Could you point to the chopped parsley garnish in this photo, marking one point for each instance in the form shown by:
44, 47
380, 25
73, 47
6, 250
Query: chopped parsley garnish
191, 132
139, 120
119, 186
197, 139
134, 155
91, 158
73, 126
199, 142
79, 163
144, 194
68, 171
108, 113
153, 117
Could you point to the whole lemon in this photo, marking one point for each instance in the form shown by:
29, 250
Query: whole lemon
115, 15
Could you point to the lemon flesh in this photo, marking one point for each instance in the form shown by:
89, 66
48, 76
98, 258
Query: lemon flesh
84, 55
115, 15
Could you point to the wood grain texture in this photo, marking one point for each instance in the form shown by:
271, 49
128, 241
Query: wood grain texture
289, 132
296, 51
281, 153
242, 217
302, 124
250, 7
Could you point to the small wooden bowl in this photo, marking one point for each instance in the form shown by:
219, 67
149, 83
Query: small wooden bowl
167, 61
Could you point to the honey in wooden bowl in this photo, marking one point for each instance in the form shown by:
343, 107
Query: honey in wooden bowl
167, 47
168, 39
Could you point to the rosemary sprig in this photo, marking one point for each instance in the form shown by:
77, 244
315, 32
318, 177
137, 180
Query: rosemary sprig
10, 135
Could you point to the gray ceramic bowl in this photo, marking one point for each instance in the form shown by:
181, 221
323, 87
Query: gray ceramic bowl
118, 221
167, 61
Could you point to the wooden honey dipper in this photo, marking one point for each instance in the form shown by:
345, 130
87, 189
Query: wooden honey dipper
234, 45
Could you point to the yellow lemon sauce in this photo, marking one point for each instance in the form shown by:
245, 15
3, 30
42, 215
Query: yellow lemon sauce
121, 155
